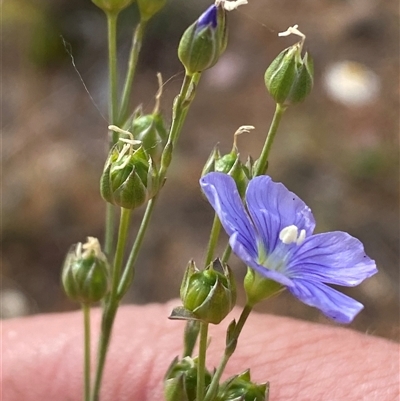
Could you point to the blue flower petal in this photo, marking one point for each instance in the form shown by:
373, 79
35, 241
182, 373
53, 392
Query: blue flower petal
334, 258
209, 17
221, 191
273, 207
332, 303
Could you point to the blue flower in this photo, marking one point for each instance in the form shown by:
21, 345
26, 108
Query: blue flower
274, 236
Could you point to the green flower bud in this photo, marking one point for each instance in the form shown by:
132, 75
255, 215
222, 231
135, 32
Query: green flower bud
180, 382
85, 272
209, 295
289, 78
259, 288
241, 388
148, 8
129, 178
150, 130
230, 163
204, 41
112, 6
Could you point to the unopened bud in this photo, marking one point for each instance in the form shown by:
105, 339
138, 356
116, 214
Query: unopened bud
129, 178
289, 78
85, 272
241, 388
230, 164
180, 382
209, 295
151, 131
112, 6
148, 8
204, 41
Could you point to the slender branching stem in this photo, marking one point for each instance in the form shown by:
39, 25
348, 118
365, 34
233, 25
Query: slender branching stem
262, 162
112, 72
129, 269
112, 301
137, 41
180, 109
112, 115
229, 350
86, 363
212, 242
201, 362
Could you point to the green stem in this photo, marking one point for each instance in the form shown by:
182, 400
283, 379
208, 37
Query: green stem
86, 366
112, 115
201, 362
227, 253
180, 109
128, 273
112, 302
109, 230
229, 350
191, 333
112, 74
262, 162
132, 63
212, 243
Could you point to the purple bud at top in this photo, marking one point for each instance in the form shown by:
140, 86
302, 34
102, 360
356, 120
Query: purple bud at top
209, 17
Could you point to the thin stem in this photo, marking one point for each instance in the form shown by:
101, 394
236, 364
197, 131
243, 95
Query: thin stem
227, 253
201, 362
112, 302
128, 273
109, 230
212, 243
112, 71
112, 115
132, 63
263, 160
229, 349
191, 333
86, 364
180, 110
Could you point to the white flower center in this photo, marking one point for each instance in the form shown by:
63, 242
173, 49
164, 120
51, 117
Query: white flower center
291, 234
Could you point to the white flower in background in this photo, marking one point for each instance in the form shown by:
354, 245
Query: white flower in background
351, 83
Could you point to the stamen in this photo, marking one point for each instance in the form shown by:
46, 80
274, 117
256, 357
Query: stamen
302, 237
289, 234
78, 249
230, 5
131, 141
292, 30
241, 130
91, 245
159, 93
126, 149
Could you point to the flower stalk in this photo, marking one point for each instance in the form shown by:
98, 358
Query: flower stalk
201, 367
230, 347
212, 243
137, 41
262, 162
112, 301
86, 367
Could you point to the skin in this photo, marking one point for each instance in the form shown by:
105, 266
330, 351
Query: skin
42, 357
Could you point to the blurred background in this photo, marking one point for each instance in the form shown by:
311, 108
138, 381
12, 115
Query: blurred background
338, 150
